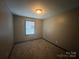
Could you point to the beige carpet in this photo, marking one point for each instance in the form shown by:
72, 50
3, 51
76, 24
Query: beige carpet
37, 49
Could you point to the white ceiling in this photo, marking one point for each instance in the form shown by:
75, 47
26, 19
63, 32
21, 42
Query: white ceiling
52, 7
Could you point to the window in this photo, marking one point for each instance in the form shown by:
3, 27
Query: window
30, 27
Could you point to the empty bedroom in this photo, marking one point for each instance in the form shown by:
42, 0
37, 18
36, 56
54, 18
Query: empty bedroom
39, 29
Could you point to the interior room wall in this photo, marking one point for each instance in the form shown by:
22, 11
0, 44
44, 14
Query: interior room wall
6, 30
19, 25
63, 29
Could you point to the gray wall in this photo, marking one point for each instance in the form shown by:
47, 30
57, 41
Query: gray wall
6, 30
19, 25
63, 29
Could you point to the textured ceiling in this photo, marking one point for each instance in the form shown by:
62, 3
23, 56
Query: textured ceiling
51, 7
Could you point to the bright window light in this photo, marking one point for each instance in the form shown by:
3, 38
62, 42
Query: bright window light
30, 27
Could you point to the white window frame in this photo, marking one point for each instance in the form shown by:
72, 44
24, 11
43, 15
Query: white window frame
26, 29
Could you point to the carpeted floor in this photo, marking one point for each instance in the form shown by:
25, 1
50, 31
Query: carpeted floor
36, 49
